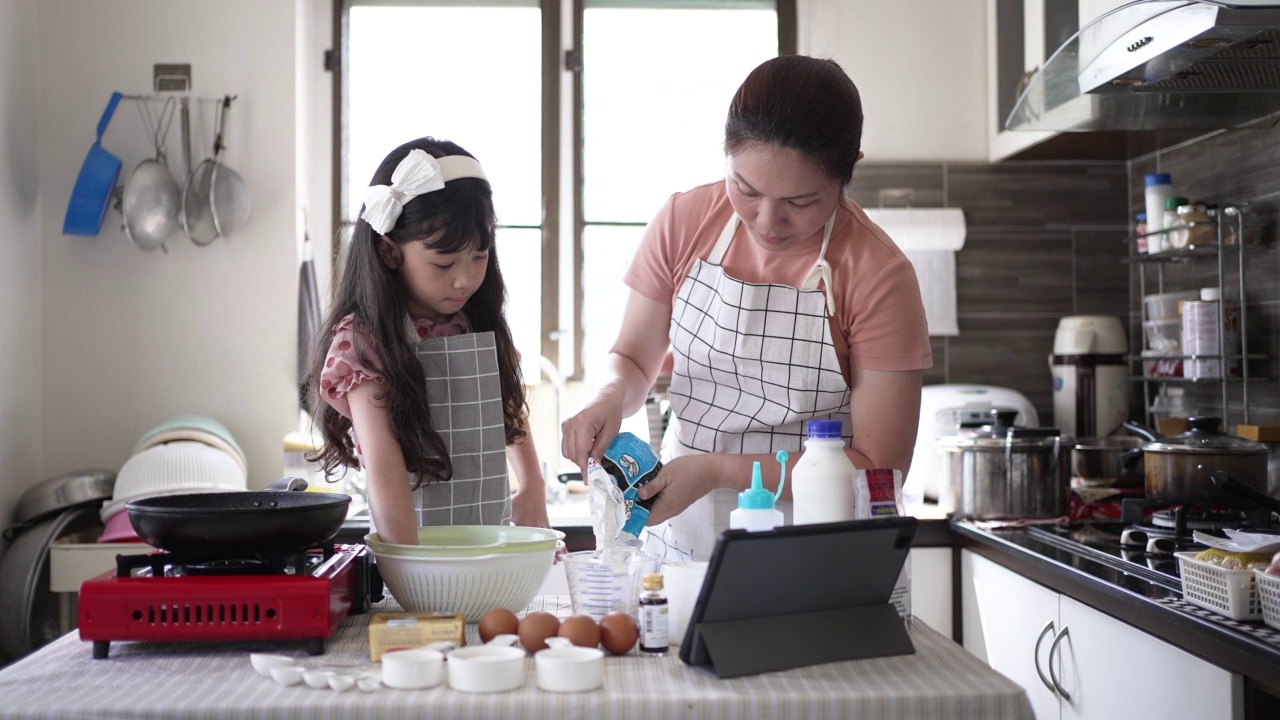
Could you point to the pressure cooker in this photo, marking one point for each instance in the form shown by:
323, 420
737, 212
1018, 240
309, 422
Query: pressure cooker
1003, 471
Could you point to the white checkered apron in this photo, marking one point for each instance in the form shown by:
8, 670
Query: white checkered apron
753, 362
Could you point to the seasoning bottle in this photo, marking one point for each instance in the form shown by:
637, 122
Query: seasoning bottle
654, 631
1140, 232
1158, 187
822, 480
1175, 236
755, 511
1196, 226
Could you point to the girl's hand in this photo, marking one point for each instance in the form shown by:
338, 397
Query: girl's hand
529, 508
679, 484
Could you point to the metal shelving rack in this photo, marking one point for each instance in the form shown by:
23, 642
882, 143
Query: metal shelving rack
1232, 215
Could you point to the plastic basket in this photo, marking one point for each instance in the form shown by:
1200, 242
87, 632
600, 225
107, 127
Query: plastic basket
471, 586
1233, 593
1269, 597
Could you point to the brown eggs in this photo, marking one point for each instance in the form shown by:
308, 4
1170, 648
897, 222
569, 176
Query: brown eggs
535, 628
580, 630
618, 633
498, 621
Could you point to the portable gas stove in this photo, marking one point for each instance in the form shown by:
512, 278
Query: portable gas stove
166, 597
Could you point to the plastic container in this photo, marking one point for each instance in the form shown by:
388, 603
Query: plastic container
1158, 188
1268, 597
1204, 333
1163, 306
1195, 227
822, 480
1163, 336
1233, 593
756, 511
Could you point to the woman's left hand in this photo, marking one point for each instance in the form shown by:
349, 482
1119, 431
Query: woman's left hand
679, 484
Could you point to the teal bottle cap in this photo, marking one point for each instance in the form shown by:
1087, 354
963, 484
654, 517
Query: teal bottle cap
755, 498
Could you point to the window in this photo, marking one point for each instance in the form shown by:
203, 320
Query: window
652, 80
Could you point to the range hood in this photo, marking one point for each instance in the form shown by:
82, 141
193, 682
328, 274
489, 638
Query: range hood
1161, 65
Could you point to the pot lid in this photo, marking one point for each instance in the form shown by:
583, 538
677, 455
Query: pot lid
1204, 435
1003, 433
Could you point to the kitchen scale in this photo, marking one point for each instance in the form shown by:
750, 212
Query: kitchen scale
169, 597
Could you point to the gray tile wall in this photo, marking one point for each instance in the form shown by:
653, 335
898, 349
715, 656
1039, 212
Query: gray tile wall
1048, 239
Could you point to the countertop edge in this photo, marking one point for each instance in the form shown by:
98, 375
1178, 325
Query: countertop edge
1235, 652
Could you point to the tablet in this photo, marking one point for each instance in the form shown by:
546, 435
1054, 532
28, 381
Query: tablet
800, 595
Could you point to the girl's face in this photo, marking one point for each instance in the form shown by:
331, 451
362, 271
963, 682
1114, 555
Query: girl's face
782, 198
437, 284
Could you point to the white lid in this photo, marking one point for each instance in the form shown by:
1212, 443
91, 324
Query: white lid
1090, 335
1210, 294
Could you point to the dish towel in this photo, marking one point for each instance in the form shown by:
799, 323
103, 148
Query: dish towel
929, 237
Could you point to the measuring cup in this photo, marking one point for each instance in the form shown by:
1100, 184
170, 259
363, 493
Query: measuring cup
610, 580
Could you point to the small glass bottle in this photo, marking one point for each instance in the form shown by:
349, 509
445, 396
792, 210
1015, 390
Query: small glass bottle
1140, 232
1175, 236
654, 631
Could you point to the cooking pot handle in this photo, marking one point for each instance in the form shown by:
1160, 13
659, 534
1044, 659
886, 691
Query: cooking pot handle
1237, 488
1141, 431
288, 483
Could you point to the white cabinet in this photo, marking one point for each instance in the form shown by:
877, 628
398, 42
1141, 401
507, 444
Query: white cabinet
931, 593
1076, 662
1021, 36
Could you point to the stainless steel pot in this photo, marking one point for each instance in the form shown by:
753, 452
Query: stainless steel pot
1005, 472
1114, 461
1171, 465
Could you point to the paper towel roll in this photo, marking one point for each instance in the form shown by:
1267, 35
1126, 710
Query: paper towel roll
929, 237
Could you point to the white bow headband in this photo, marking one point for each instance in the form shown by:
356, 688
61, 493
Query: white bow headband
417, 173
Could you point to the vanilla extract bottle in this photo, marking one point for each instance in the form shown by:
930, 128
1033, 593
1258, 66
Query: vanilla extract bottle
654, 631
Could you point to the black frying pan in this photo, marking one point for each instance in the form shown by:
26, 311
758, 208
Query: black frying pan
230, 524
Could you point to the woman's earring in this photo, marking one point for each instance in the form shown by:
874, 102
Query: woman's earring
389, 251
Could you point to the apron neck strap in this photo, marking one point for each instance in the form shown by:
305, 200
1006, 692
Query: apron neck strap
821, 269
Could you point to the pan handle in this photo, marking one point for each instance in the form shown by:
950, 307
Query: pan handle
1235, 487
288, 484
1141, 431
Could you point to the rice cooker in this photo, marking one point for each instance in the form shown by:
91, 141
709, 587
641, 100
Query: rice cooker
944, 411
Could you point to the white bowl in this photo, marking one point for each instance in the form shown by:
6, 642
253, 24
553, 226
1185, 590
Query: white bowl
263, 662
287, 674
471, 586
486, 669
570, 669
341, 683
412, 669
317, 678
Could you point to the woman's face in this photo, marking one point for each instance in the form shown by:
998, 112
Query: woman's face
782, 198
437, 284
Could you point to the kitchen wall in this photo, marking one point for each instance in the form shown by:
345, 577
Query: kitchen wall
104, 341
1043, 240
1230, 167
20, 244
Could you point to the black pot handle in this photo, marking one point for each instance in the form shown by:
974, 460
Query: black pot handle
1237, 488
1141, 431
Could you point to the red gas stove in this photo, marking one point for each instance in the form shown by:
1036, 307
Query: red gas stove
167, 597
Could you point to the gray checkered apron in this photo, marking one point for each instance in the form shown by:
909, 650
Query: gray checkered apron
753, 362
465, 393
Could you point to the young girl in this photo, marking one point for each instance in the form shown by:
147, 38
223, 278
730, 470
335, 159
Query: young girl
422, 266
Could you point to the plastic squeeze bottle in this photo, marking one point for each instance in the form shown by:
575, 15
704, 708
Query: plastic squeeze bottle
756, 511
822, 480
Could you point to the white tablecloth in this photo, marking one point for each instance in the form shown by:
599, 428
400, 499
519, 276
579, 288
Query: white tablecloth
215, 681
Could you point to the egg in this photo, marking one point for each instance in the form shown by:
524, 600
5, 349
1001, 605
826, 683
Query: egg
498, 621
580, 630
618, 633
535, 628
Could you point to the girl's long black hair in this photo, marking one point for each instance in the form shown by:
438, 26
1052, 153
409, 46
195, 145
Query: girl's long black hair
371, 291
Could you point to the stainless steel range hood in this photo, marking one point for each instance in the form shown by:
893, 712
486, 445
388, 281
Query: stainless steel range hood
1161, 65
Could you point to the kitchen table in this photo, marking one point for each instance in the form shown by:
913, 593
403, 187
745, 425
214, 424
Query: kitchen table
215, 680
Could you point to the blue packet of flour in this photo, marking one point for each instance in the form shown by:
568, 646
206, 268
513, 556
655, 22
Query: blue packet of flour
632, 463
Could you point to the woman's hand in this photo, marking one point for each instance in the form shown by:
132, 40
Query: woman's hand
679, 484
589, 431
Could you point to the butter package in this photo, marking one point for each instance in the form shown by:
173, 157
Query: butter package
879, 494
400, 631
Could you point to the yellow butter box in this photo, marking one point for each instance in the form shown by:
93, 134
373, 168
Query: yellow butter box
397, 631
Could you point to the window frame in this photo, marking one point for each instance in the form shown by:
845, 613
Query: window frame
558, 58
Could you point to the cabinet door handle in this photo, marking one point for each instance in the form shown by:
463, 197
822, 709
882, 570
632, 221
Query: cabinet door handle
1048, 629
1052, 675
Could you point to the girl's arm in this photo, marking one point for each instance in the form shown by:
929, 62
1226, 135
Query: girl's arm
529, 503
387, 480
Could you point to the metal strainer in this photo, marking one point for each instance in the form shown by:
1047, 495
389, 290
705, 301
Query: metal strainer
151, 199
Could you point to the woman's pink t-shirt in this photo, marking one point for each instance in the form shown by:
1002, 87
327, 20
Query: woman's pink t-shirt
879, 321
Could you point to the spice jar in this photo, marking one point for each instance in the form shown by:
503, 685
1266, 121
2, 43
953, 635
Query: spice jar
1195, 226
1175, 235
1140, 232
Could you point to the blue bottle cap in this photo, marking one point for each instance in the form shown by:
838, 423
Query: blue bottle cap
824, 428
1158, 179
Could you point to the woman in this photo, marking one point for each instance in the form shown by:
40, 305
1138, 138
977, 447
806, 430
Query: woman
779, 300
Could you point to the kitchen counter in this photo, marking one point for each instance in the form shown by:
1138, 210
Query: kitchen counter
1248, 648
215, 680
